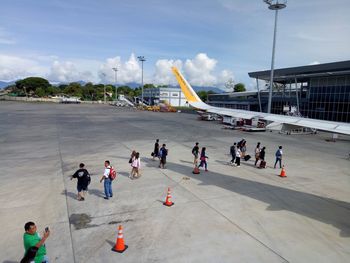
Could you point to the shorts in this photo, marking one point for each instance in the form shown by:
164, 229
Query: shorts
163, 160
82, 188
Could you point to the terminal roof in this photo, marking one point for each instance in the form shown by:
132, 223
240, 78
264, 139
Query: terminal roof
304, 73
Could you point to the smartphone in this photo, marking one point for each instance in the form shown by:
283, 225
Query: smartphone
47, 229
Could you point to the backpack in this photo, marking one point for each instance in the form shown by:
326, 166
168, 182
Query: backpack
163, 152
278, 154
112, 173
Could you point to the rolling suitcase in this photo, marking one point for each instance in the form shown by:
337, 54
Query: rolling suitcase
247, 157
262, 164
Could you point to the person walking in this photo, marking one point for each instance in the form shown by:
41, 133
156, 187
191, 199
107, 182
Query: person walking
262, 158
132, 156
163, 152
257, 153
238, 157
31, 240
195, 152
136, 166
278, 155
233, 153
84, 180
107, 180
155, 150
203, 159
243, 148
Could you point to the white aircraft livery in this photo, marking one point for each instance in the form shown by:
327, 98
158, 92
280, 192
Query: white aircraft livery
290, 121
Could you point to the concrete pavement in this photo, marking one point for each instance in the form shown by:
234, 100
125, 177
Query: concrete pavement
228, 214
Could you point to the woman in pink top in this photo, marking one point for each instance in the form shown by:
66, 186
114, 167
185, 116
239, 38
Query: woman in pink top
136, 165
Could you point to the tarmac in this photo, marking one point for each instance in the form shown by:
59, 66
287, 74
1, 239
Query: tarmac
227, 214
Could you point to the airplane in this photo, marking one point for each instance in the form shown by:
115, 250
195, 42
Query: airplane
287, 122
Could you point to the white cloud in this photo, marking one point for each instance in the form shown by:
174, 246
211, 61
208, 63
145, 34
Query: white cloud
67, 72
163, 74
198, 71
14, 67
128, 71
223, 77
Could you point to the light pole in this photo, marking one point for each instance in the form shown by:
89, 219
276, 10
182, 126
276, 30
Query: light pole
142, 59
104, 89
115, 80
274, 5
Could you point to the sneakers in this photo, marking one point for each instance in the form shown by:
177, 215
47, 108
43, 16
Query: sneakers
105, 198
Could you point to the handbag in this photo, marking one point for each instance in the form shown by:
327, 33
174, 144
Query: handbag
130, 160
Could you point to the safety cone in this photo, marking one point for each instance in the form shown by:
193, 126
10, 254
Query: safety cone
283, 172
168, 201
120, 247
196, 170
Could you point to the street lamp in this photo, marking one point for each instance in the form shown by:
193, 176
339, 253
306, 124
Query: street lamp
115, 80
274, 5
104, 89
142, 59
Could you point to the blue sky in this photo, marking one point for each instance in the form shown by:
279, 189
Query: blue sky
210, 40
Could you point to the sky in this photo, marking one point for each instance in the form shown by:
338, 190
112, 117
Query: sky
210, 41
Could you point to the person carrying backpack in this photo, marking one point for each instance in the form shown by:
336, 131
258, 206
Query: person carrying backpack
84, 180
278, 155
108, 176
163, 152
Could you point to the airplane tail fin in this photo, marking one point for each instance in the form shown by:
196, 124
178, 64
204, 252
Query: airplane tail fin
190, 94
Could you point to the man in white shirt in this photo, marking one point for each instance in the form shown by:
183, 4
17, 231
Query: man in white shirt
107, 180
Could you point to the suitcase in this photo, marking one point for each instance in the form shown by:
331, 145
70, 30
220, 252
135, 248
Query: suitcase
262, 164
247, 157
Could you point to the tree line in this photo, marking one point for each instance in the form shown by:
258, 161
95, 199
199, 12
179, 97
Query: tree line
40, 87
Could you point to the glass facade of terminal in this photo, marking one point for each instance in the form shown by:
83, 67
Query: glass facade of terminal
324, 98
328, 98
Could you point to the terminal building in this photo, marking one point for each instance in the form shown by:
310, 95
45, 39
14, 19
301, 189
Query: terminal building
172, 96
317, 91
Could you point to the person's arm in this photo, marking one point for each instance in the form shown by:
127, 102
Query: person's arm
42, 241
75, 175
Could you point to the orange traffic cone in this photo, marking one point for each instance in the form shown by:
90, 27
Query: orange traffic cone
168, 201
120, 247
196, 170
283, 172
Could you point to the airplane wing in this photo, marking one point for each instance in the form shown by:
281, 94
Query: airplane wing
196, 102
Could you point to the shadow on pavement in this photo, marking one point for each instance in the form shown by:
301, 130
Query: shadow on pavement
323, 209
96, 192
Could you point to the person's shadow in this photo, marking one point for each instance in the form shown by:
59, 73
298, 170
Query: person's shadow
96, 192
124, 174
69, 194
